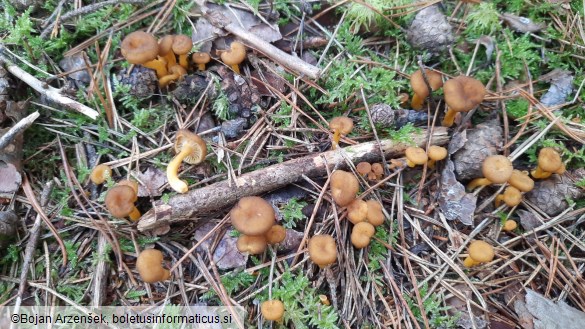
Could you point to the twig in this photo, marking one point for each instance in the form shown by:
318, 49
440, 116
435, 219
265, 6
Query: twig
17, 129
296, 64
222, 194
51, 93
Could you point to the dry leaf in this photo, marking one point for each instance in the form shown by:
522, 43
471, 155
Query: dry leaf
453, 201
522, 24
151, 182
528, 220
561, 87
548, 314
75, 63
226, 254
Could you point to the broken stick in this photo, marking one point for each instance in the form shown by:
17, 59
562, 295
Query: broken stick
225, 193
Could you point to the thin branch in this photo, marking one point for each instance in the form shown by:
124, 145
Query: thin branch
17, 129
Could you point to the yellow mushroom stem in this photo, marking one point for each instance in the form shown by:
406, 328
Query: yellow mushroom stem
201, 67
135, 214
158, 66
469, 262
410, 163
336, 138
183, 61
417, 102
477, 183
449, 118
540, 174
498, 200
175, 182
431, 164
236, 68
170, 59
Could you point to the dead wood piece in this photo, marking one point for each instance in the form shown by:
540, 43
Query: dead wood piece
17, 129
222, 194
8, 222
11, 149
548, 314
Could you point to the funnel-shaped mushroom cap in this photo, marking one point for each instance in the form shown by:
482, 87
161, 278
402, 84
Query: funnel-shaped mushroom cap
344, 187
182, 44
363, 168
361, 234
272, 310
463, 93
322, 250
357, 211
251, 244
375, 213
139, 47
276, 234
120, 200
416, 156
549, 159
437, 152
497, 169
149, 266
235, 55
196, 143
521, 181
100, 173
419, 86
481, 251
343, 125
252, 216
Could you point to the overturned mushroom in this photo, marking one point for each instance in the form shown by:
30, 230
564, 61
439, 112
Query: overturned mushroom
340, 126
100, 174
191, 149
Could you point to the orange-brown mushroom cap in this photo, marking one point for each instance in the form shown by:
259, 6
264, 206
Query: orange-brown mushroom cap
272, 310
521, 181
139, 47
182, 45
481, 251
201, 59
252, 215
234, 56
149, 266
363, 168
165, 50
436, 153
323, 250
276, 234
357, 211
419, 87
375, 214
511, 197
549, 162
462, 94
100, 174
120, 200
415, 156
340, 126
509, 225
361, 234
344, 187
497, 169
251, 244
378, 170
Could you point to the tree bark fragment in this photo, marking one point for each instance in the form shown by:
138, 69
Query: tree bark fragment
219, 195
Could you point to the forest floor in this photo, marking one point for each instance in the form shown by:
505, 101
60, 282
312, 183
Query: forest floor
268, 133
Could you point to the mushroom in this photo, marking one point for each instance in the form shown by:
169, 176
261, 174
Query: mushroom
549, 162
511, 197
176, 72
420, 88
165, 50
509, 225
201, 59
322, 250
252, 215
363, 168
182, 45
415, 156
100, 174
344, 187
378, 170
251, 244
149, 266
131, 183
361, 234
496, 169
191, 149
339, 126
276, 234
141, 48
120, 202
461, 95
479, 252
234, 56
375, 215
357, 211
436, 153
521, 181
272, 310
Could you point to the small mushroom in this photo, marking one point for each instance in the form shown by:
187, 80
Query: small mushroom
415, 156
362, 234
201, 59
509, 225
165, 50
120, 202
357, 211
234, 56
182, 45
549, 162
420, 88
462, 94
375, 214
479, 252
131, 183
511, 197
378, 170
176, 73
191, 149
339, 126
344, 187
149, 266
276, 234
100, 174
521, 181
363, 168
272, 310
142, 48
252, 215
436, 153
251, 244
496, 169
322, 250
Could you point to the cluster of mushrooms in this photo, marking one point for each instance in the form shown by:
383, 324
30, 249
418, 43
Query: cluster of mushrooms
169, 56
